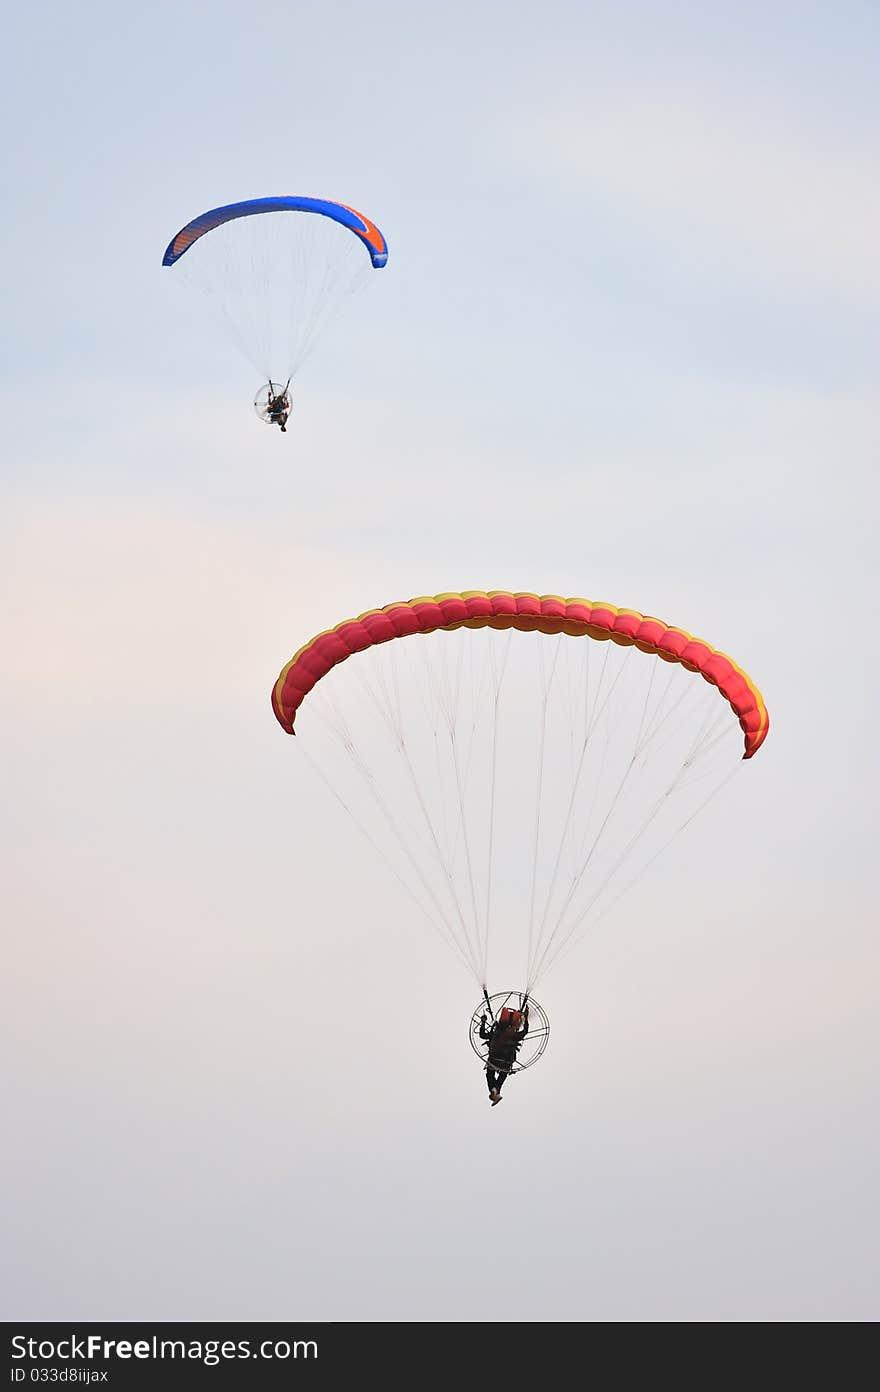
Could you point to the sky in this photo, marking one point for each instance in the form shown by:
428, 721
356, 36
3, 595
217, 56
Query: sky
625, 347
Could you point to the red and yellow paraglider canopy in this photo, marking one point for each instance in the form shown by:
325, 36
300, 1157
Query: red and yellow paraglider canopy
527, 613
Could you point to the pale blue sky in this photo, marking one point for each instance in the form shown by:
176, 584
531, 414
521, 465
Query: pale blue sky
625, 347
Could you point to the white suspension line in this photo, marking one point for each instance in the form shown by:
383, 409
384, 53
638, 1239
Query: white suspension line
391, 822
567, 933
566, 946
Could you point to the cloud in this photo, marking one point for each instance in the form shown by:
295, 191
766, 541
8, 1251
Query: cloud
726, 179
151, 608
